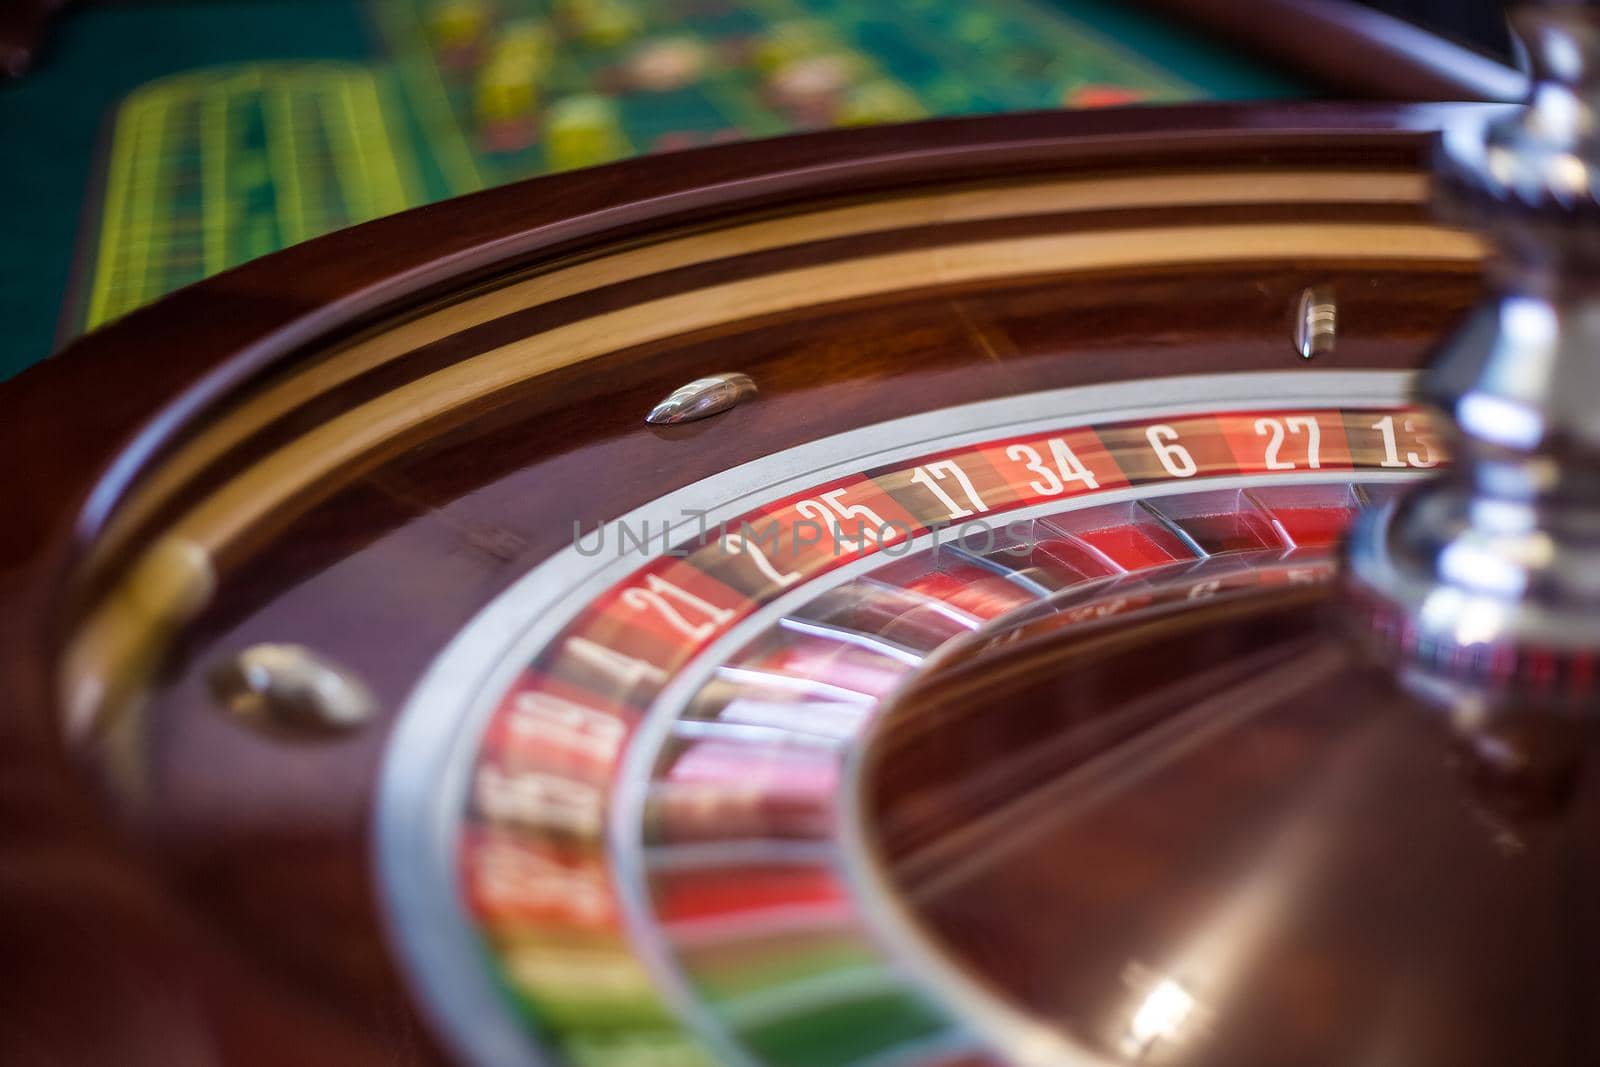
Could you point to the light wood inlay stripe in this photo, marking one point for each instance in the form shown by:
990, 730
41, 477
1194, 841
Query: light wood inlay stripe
114, 651
968, 205
261, 491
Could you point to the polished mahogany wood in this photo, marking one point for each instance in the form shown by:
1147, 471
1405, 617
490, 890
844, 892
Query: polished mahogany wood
1232, 799
238, 923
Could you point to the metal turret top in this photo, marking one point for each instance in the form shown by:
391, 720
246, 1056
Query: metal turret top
1485, 584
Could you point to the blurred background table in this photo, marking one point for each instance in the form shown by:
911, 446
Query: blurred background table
157, 143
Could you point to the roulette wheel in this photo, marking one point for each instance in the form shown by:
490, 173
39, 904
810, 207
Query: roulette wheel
873, 597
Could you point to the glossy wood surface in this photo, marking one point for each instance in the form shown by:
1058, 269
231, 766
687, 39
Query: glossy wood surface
1228, 799
243, 906
462, 515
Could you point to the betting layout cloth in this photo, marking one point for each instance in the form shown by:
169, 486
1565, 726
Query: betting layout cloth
259, 124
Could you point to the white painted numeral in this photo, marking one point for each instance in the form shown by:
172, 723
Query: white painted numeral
671, 601
539, 800
1068, 468
1174, 457
627, 670
830, 510
564, 724
1391, 444
1273, 430
932, 474
739, 544
1097, 611
513, 878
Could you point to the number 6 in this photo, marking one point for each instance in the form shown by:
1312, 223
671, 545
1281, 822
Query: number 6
1174, 457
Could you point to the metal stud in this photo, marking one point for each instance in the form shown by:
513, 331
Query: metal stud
1316, 322
701, 399
289, 688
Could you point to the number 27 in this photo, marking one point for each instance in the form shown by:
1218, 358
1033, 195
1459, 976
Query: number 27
1275, 430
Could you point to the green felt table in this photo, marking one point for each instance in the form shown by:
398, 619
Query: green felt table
156, 143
